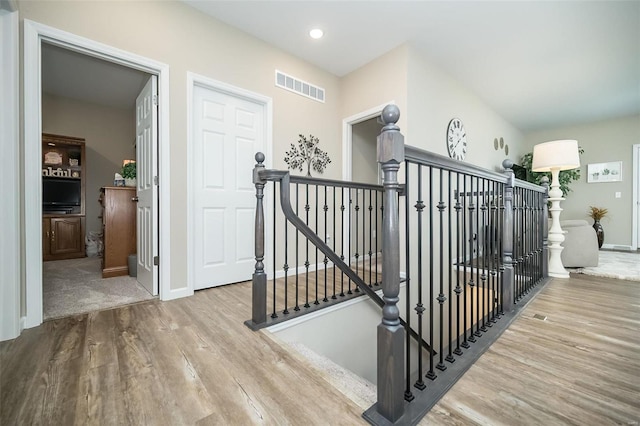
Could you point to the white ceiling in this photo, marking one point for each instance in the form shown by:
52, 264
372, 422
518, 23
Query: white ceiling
76, 76
538, 64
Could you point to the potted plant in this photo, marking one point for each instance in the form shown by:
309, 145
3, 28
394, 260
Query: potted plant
564, 178
129, 173
597, 213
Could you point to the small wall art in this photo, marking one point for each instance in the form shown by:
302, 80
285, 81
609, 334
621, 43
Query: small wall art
604, 172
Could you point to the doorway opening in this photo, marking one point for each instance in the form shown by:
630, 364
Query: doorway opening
94, 101
359, 146
35, 37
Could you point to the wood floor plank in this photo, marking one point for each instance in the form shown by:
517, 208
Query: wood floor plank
193, 361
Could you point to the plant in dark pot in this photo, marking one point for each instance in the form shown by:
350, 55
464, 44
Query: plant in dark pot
597, 213
565, 178
129, 173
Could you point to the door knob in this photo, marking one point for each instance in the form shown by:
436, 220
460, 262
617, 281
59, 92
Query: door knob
134, 199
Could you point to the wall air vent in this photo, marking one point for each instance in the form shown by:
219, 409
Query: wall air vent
300, 87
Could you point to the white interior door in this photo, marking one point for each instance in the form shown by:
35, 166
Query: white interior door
227, 132
147, 172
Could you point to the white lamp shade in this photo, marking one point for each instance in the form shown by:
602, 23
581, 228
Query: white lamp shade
561, 155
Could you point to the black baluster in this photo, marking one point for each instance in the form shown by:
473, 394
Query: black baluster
286, 266
408, 395
458, 290
465, 249
333, 211
297, 307
450, 357
478, 333
274, 314
377, 251
501, 230
441, 297
472, 283
342, 240
316, 302
419, 306
306, 262
350, 232
431, 374
483, 277
370, 238
325, 261
494, 251
357, 255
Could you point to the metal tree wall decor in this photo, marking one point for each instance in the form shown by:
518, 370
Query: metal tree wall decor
307, 153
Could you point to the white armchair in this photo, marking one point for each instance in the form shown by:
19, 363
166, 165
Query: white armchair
580, 244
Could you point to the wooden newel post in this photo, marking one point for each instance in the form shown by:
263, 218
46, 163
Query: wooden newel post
390, 332
508, 277
259, 288
545, 227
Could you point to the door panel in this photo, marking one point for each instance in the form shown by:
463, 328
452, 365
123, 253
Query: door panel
66, 235
227, 133
147, 191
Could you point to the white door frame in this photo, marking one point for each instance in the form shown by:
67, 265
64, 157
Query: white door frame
34, 34
10, 325
347, 151
635, 196
193, 80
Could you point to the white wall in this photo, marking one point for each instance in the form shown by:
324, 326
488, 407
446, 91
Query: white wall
434, 98
109, 135
609, 140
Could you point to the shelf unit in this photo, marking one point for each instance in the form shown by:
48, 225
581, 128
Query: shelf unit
63, 217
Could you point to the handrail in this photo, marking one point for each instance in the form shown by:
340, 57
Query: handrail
285, 202
420, 156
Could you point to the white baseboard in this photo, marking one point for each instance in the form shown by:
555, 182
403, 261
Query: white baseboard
617, 247
177, 293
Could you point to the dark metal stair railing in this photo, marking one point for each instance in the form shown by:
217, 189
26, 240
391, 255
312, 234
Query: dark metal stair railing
259, 288
495, 225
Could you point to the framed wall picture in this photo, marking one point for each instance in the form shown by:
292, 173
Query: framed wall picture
604, 172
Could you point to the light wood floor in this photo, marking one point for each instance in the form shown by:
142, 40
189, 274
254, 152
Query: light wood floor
192, 361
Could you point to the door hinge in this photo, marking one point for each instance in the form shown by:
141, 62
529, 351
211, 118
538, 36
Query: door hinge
155, 180
155, 99
156, 260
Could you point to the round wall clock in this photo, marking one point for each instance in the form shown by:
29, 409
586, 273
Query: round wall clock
456, 139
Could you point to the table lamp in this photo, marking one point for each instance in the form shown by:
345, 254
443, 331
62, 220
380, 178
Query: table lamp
553, 157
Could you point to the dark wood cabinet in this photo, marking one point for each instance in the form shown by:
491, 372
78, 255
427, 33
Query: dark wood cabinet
63, 237
119, 229
63, 197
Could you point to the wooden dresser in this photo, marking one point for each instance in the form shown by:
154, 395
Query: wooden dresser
119, 229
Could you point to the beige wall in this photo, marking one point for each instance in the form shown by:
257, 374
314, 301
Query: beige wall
380, 81
604, 141
187, 40
109, 135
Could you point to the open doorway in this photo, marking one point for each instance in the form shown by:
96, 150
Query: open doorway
89, 123
364, 160
35, 36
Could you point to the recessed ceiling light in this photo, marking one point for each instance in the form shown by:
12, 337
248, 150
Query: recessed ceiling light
316, 33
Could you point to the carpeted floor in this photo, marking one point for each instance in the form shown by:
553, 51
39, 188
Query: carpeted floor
76, 286
614, 264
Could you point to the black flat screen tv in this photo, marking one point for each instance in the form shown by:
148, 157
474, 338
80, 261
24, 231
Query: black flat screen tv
60, 192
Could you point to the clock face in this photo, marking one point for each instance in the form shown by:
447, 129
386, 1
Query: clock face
456, 139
